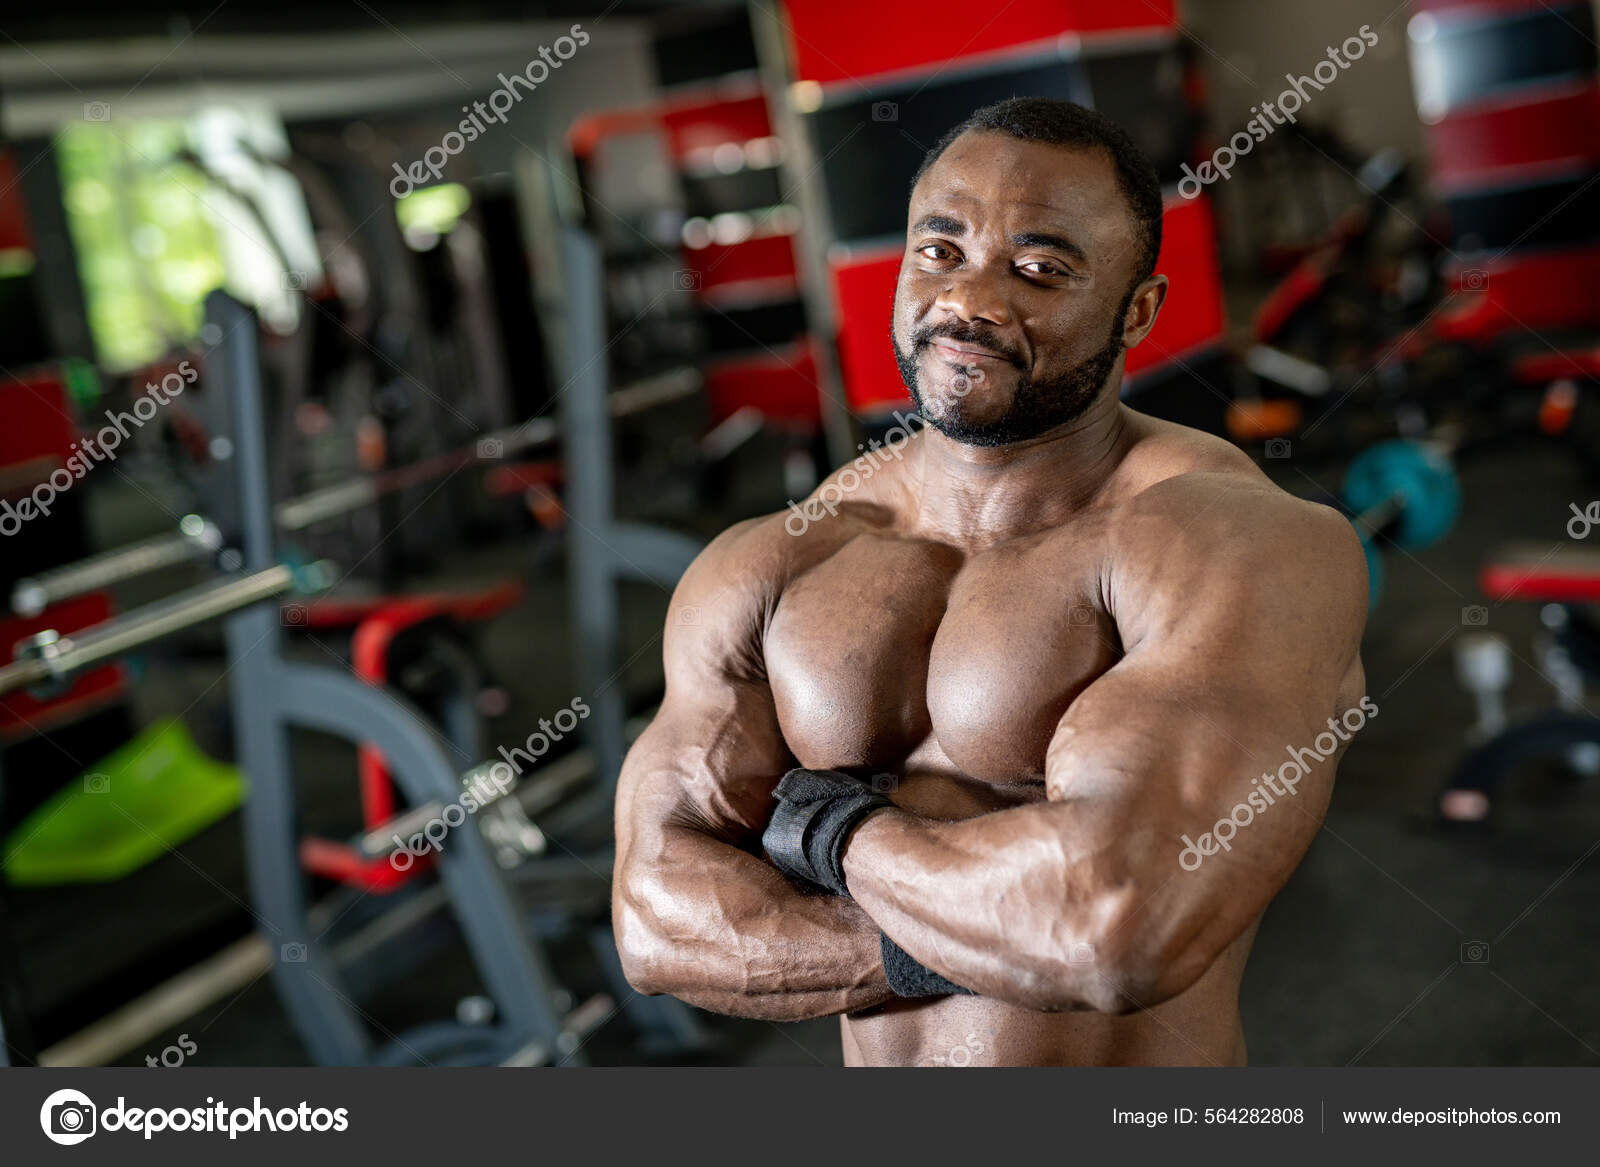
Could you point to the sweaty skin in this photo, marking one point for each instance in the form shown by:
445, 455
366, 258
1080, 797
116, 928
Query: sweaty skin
1068, 651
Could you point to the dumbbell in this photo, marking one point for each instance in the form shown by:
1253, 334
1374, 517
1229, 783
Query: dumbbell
1405, 491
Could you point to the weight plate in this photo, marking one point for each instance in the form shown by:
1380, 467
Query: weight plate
1422, 475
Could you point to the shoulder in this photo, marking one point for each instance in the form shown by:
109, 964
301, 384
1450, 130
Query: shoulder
1214, 532
1179, 481
763, 554
725, 600
718, 614
739, 568
1162, 450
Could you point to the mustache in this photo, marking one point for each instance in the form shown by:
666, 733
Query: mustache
965, 334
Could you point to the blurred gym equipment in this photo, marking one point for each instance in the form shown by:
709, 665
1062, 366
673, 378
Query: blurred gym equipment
527, 1026
1566, 584
1402, 491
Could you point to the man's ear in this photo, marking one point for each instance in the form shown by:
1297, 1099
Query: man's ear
1143, 310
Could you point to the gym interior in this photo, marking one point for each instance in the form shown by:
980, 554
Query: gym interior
372, 373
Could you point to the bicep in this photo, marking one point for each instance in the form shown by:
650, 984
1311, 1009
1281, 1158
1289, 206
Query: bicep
1223, 723
712, 755
1160, 760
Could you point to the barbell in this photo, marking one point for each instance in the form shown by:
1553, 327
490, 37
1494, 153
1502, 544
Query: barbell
307, 510
45, 661
1405, 491
198, 538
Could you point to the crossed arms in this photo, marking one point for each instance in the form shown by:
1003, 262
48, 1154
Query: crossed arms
1240, 611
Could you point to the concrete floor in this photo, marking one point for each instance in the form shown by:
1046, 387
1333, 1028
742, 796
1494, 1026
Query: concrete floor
1358, 961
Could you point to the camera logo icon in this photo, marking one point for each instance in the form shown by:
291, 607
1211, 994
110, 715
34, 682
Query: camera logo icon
1475, 952
293, 952
294, 280
1279, 448
96, 111
96, 784
1082, 615
67, 1117
1475, 616
293, 615
1474, 279
885, 111
686, 281
490, 448
885, 783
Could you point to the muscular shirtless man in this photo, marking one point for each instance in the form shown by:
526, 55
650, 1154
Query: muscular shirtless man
1044, 643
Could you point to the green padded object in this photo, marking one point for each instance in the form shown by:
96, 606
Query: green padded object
132, 806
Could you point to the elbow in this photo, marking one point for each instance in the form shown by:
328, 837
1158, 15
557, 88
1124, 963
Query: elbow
642, 970
1116, 969
640, 946
1134, 981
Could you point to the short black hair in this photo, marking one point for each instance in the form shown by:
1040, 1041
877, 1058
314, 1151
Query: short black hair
1065, 123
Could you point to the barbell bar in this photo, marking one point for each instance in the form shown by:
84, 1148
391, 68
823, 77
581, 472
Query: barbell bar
296, 514
48, 658
536, 794
196, 538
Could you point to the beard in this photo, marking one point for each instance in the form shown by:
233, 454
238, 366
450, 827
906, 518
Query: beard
1037, 405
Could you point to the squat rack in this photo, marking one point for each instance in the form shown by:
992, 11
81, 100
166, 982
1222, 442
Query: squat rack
271, 694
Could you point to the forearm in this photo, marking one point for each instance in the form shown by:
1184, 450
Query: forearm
1000, 905
723, 930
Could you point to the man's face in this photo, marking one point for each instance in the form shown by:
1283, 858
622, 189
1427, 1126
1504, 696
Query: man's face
1010, 312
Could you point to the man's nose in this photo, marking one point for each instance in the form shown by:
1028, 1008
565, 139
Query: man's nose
972, 295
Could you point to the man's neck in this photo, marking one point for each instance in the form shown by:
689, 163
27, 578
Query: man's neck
978, 496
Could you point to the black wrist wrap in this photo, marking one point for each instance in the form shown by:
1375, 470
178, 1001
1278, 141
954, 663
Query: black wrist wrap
909, 977
815, 813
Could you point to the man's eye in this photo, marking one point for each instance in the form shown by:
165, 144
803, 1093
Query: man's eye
928, 251
1042, 267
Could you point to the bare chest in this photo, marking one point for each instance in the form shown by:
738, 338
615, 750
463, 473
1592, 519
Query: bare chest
894, 652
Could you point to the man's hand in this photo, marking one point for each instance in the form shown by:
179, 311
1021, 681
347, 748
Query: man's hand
816, 811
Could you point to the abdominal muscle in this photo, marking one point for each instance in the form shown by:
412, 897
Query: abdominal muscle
1199, 1027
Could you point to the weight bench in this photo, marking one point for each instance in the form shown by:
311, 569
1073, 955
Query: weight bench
1564, 581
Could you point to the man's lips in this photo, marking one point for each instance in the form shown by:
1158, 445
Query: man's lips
963, 353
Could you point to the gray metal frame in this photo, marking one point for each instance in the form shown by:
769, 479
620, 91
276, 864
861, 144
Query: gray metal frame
601, 551
271, 694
